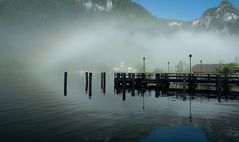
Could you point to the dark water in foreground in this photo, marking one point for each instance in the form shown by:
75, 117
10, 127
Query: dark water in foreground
33, 108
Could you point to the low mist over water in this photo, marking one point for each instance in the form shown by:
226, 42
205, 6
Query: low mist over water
104, 46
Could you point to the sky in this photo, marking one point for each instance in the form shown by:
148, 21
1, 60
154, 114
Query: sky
185, 10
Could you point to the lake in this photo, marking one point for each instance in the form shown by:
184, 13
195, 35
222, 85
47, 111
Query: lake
33, 108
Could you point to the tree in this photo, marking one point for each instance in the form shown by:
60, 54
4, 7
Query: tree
227, 68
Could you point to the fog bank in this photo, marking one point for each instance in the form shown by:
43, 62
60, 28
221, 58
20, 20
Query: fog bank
107, 47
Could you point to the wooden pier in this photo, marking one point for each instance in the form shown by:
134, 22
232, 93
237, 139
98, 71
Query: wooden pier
219, 83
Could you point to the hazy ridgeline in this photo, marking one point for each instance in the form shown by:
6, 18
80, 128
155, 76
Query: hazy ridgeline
102, 43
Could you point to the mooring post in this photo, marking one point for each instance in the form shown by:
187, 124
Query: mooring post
143, 78
226, 87
201, 78
168, 81
124, 81
117, 80
219, 87
208, 79
101, 80
117, 85
189, 82
133, 84
157, 77
184, 85
130, 76
65, 84
133, 80
124, 86
195, 84
86, 81
90, 84
104, 82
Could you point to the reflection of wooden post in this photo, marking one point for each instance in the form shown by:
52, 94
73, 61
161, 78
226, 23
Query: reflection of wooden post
65, 84
124, 96
90, 84
86, 81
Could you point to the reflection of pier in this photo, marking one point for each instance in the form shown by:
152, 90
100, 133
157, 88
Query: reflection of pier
219, 84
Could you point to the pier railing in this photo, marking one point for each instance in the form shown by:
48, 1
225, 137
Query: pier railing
221, 84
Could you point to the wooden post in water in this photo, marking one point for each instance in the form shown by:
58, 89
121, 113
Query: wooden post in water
219, 87
208, 79
168, 81
117, 80
104, 82
133, 80
189, 83
157, 77
101, 80
130, 76
194, 83
90, 84
124, 87
124, 81
124, 96
86, 81
65, 84
133, 84
143, 83
184, 86
226, 87
118, 83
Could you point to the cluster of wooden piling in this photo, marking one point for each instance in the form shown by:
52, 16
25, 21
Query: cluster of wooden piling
88, 82
188, 83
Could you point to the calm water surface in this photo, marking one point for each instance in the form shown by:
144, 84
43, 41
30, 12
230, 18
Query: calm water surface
34, 109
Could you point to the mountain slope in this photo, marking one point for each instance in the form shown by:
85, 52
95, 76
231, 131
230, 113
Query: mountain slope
224, 18
126, 13
20, 10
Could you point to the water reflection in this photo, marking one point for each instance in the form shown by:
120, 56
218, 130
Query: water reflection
166, 93
176, 134
143, 92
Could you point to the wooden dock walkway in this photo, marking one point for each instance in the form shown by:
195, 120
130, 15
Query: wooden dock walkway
220, 83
